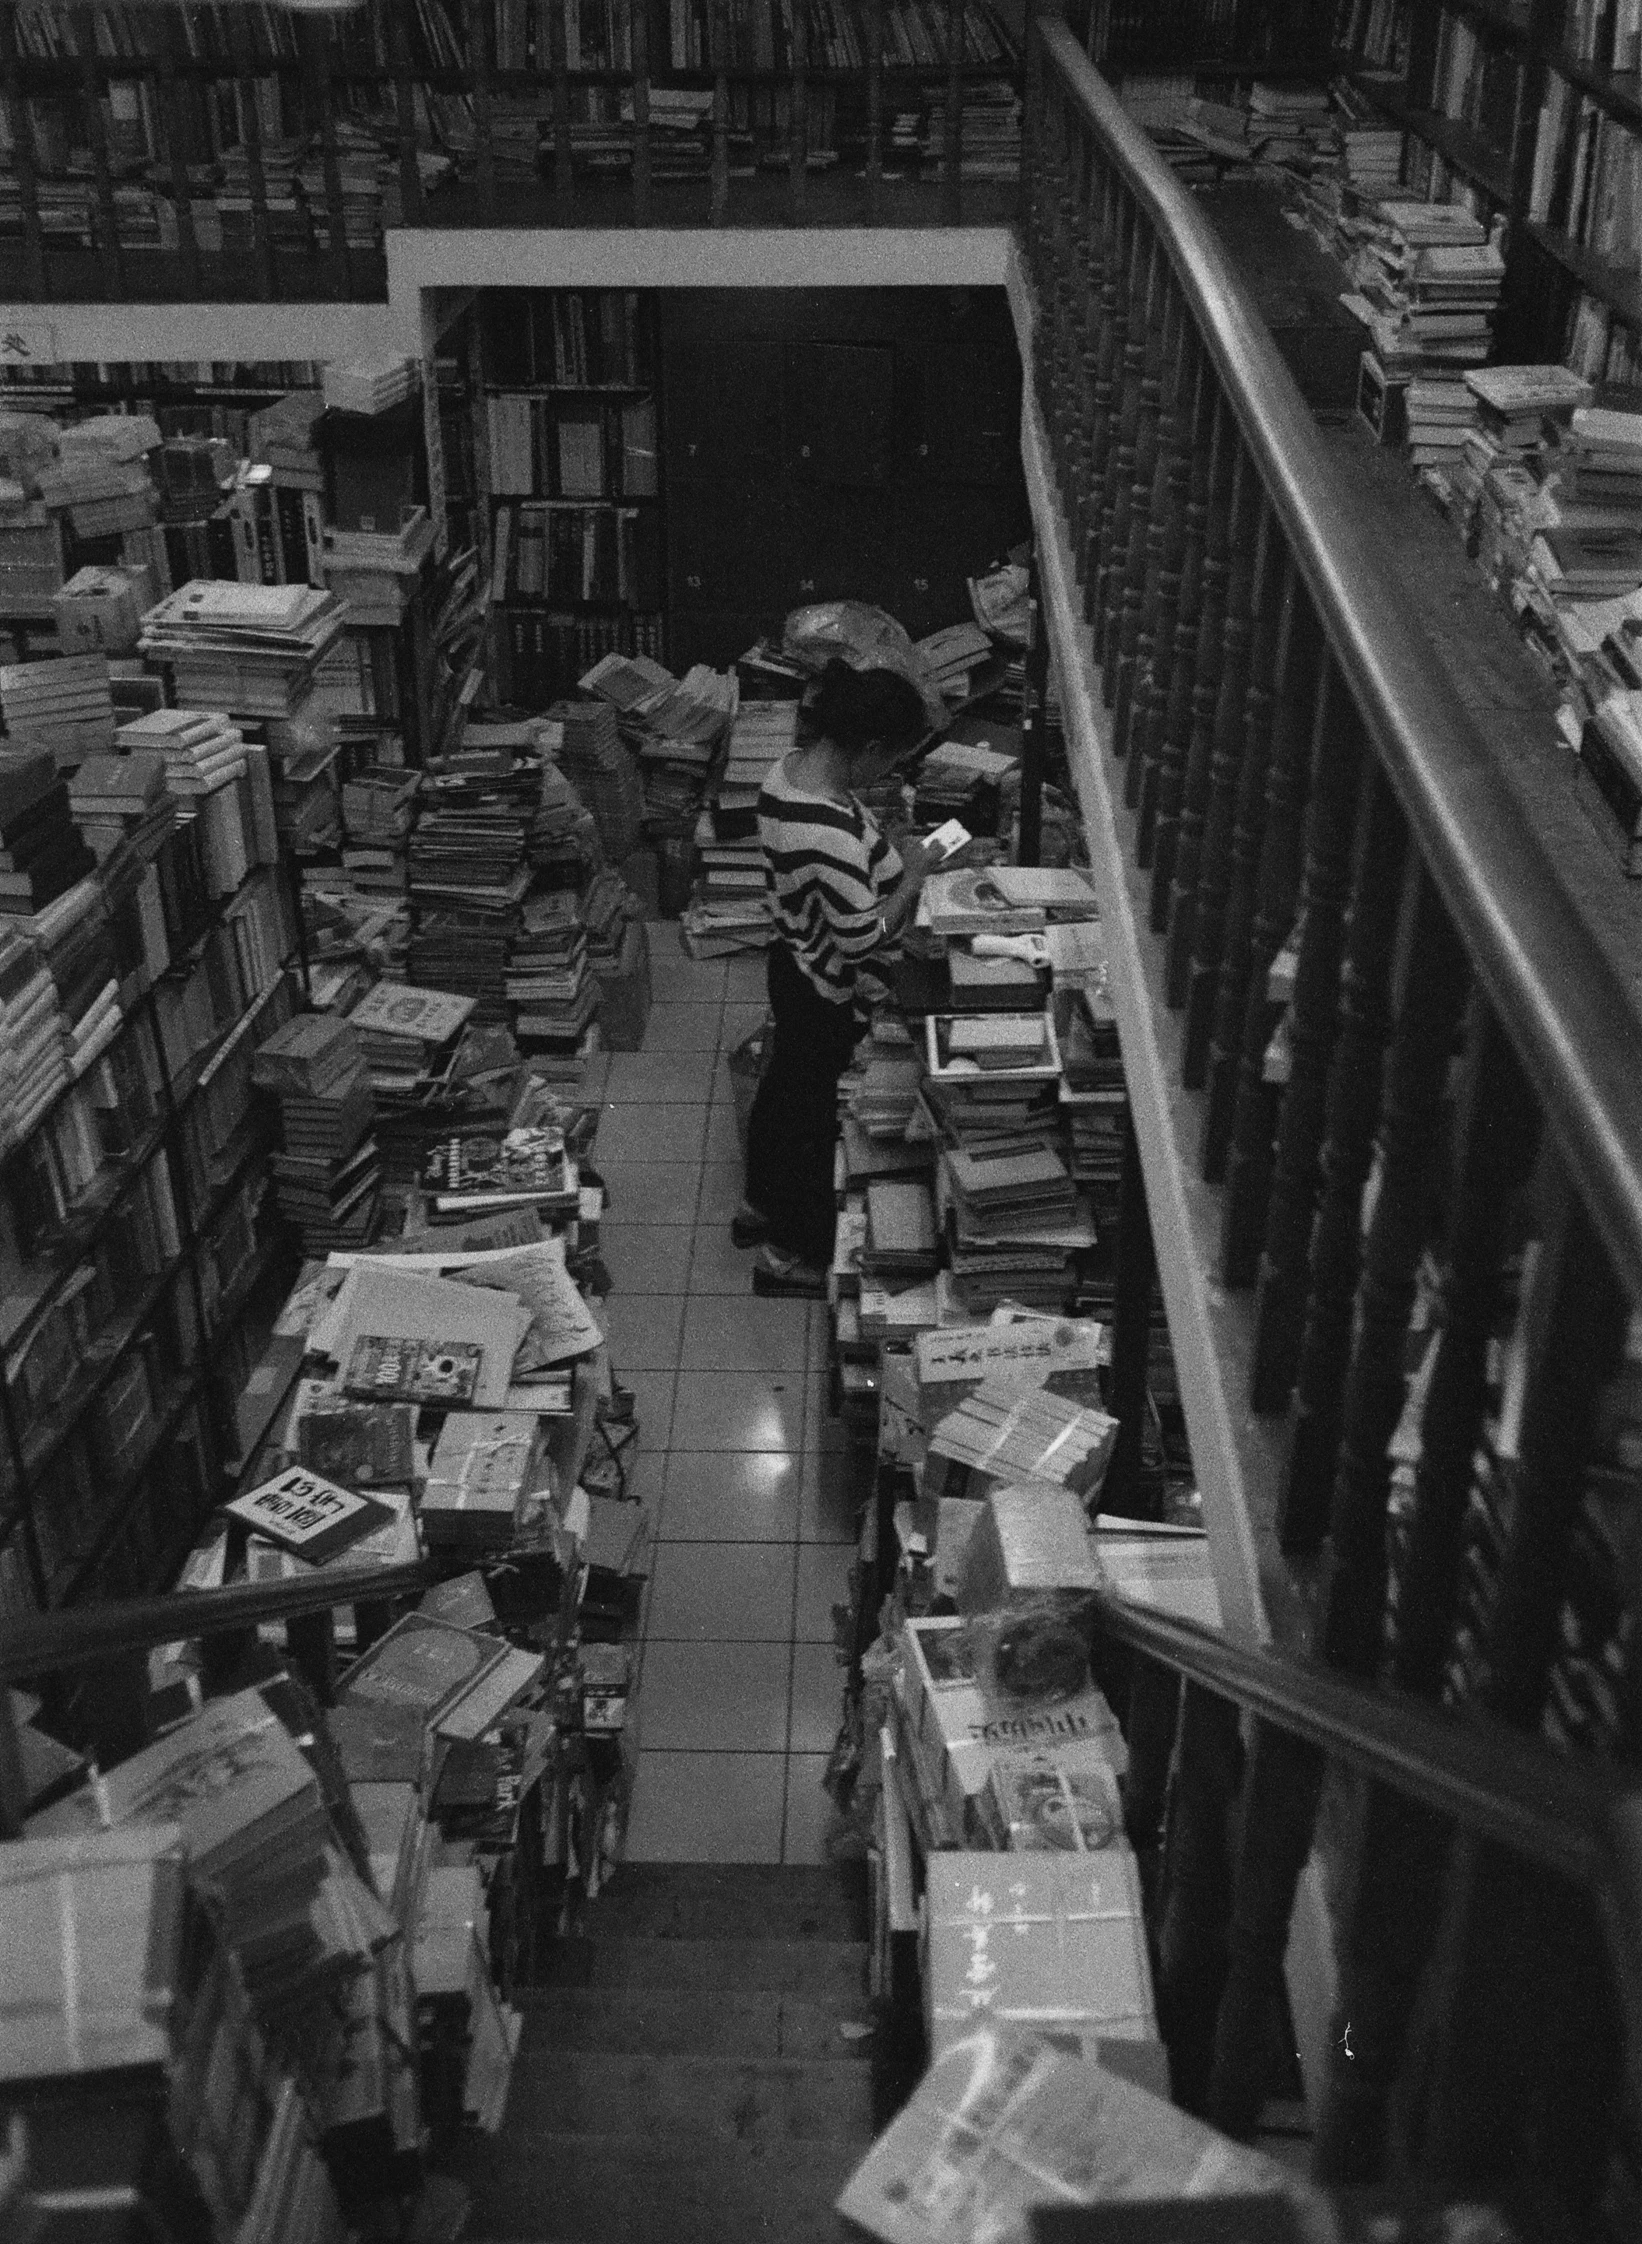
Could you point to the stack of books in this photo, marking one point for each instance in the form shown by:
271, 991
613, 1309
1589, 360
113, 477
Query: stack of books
968, 780
1429, 278
408, 1033
485, 1464
589, 752
41, 854
202, 749
66, 706
376, 821
468, 879
761, 733
368, 385
327, 1175
249, 648
113, 797
901, 1245
553, 995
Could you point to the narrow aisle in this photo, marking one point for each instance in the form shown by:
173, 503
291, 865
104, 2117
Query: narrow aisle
744, 1474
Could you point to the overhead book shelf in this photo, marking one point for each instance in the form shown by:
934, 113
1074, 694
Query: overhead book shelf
565, 446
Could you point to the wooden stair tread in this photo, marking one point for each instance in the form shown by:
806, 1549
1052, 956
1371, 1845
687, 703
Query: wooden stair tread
819, 1970
738, 2022
689, 2099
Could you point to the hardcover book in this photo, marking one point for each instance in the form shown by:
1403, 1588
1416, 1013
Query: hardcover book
309, 1516
362, 1444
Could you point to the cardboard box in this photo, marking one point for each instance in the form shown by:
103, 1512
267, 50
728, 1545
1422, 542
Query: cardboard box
958, 1730
1051, 1941
100, 610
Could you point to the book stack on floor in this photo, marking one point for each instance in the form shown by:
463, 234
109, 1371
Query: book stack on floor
553, 997
968, 780
66, 707
413, 1040
327, 1173
1499, 482
468, 880
41, 853
588, 750
1427, 281
249, 648
673, 726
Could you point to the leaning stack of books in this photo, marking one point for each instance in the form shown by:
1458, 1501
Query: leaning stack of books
553, 996
65, 706
409, 1033
468, 879
589, 752
327, 1173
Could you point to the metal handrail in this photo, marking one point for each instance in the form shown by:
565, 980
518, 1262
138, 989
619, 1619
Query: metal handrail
1561, 999
1578, 1819
49, 1643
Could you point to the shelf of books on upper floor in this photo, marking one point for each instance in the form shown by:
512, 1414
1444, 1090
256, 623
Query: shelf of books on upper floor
565, 449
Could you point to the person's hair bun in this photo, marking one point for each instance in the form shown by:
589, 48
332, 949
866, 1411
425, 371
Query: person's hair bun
854, 708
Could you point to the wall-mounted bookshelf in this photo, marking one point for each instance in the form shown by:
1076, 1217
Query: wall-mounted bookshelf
1532, 113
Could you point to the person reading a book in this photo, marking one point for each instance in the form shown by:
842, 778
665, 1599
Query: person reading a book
840, 896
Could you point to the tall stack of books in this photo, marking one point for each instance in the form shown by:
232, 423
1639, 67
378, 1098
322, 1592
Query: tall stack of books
589, 752
468, 880
41, 854
327, 1174
66, 706
376, 821
1428, 277
553, 995
407, 1033
249, 648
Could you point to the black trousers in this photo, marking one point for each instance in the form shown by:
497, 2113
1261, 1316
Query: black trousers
793, 1127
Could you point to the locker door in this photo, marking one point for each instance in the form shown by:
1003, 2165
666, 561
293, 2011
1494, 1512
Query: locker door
723, 410
840, 413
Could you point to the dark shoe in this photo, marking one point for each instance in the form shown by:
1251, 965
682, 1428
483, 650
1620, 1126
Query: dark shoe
784, 1277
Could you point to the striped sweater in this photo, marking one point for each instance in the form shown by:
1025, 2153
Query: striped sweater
829, 872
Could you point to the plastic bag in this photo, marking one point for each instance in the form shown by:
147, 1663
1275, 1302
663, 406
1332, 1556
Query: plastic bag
1034, 1649
865, 637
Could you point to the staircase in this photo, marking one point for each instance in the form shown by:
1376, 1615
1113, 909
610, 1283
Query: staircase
686, 2071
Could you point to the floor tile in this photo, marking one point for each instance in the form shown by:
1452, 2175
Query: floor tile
732, 1593
642, 1331
682, 1028
718, 1265
746, 980
677, 980
824, 1434
723, 1137
739, 1410
707, 1807
817, 1698
723, 1087
811, 1810
661, 1078
714, 1698
724, 1333
647, 1257
653, 1403
826, 1499
721, 1187
651, 1191
650, 1133
735, 1496
823, 1582
739, 1021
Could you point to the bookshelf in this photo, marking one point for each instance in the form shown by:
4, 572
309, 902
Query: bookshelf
1532, 114
566, 446
134, 1227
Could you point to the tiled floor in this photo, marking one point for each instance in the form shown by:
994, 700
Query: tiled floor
740, 1691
